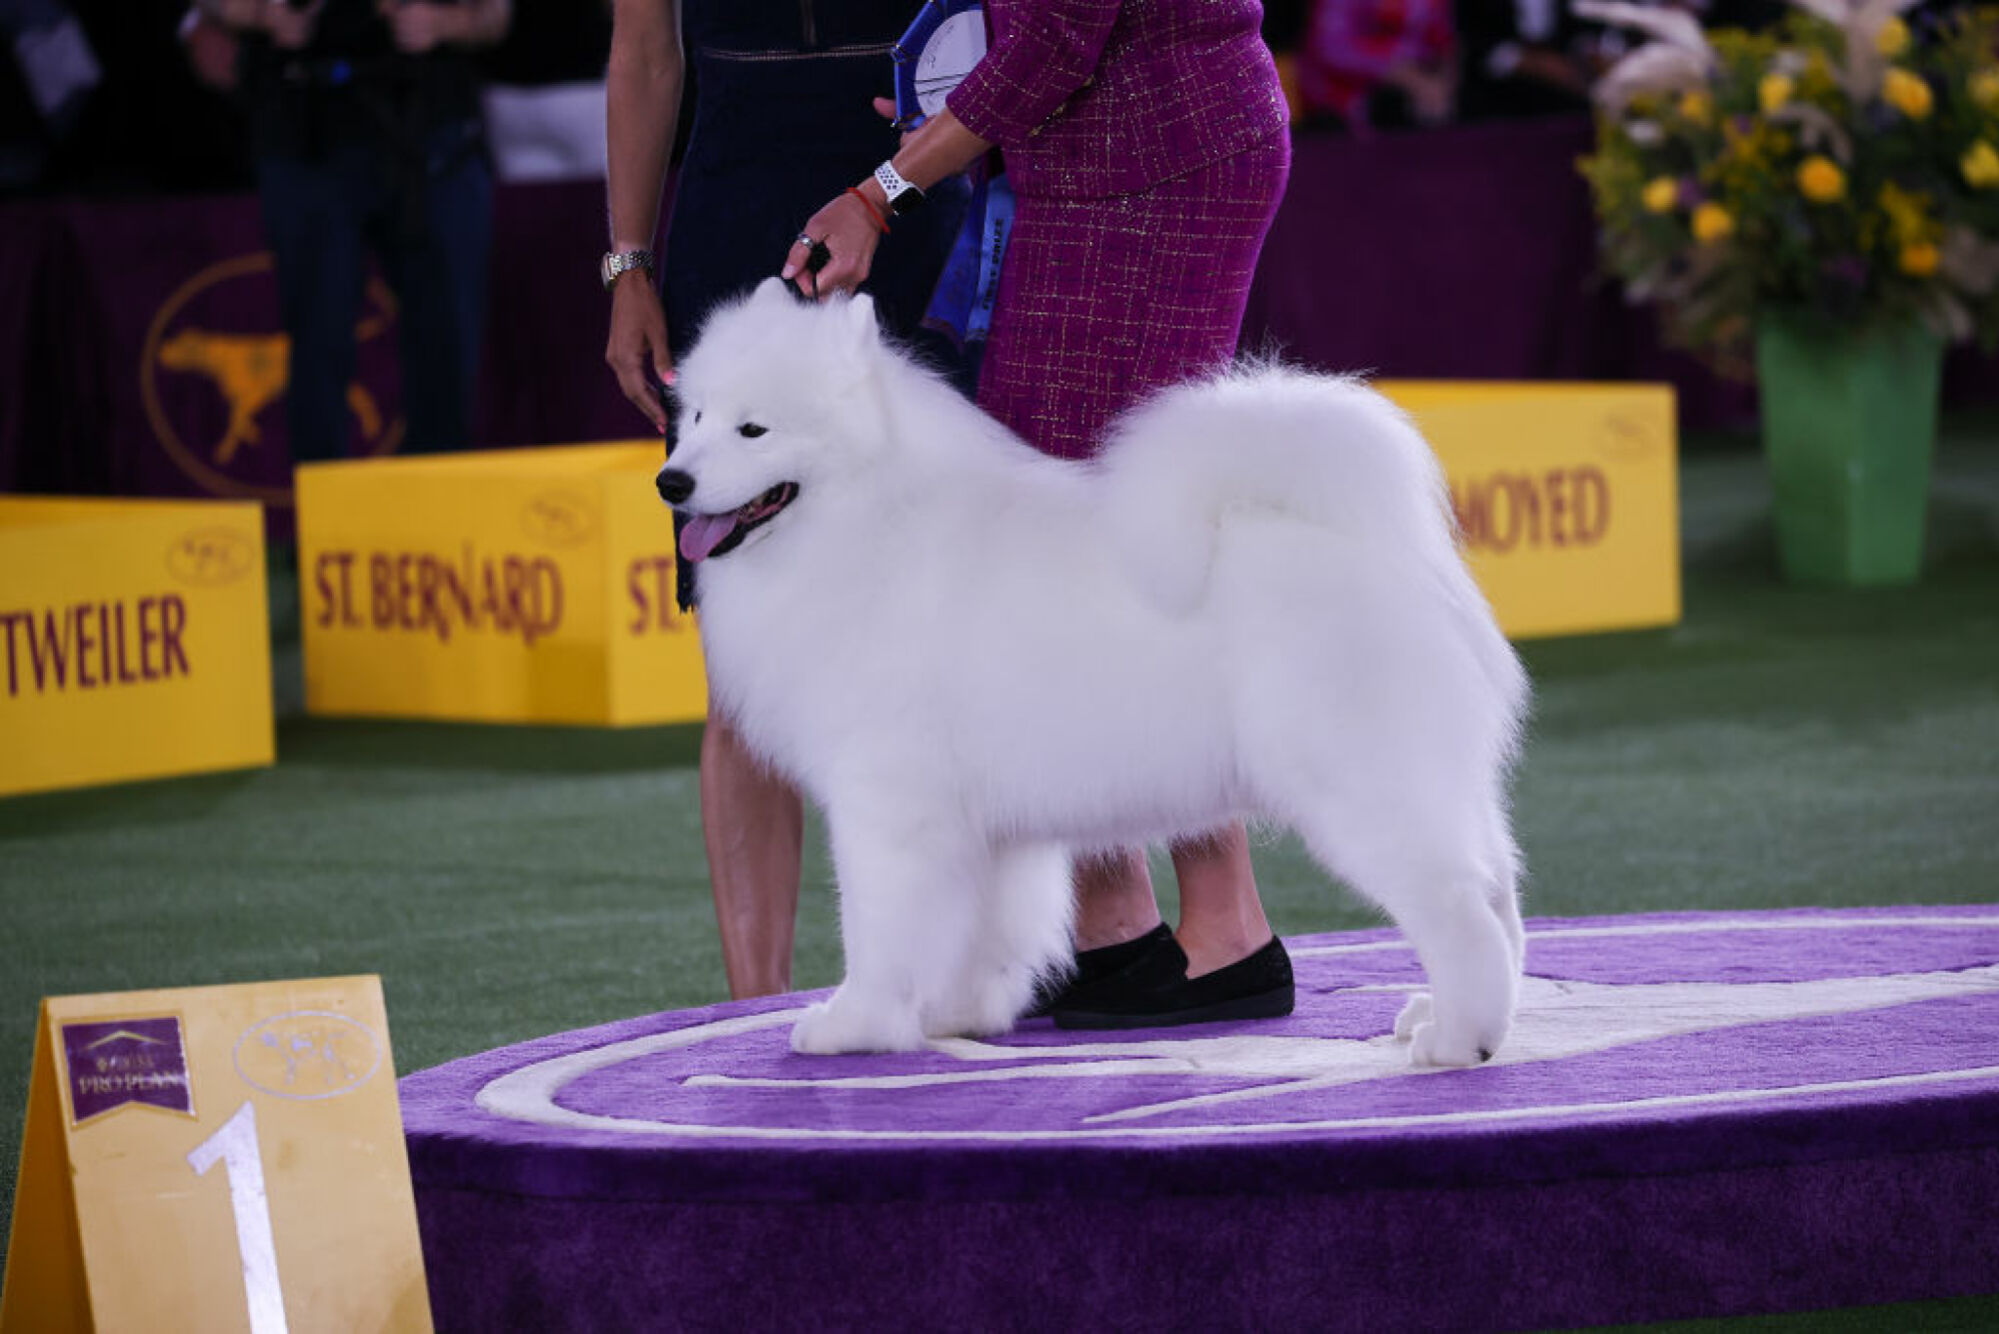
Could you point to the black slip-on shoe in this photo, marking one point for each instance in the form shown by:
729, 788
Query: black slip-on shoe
1155, 992
1093, 966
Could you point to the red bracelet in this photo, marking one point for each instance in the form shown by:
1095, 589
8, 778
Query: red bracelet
868, 204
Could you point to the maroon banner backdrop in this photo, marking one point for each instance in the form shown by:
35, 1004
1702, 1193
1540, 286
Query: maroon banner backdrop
32, 349
1470, 253
143, 354
140, 351
1467, 253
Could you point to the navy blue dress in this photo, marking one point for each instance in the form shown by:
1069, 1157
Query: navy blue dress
782, 123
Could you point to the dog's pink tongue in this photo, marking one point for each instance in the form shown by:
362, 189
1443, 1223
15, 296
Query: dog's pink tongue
703, 533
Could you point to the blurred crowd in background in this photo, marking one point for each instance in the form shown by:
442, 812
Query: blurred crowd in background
135, 97
144, 96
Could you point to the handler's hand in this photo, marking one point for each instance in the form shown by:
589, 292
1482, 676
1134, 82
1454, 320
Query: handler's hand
885, 108
851, 233
637, 348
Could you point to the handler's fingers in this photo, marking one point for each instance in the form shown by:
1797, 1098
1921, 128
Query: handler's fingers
638, 389
636, 350
814, 268
886, 109
843, 275
808, 255
659, 383
794, 264
628, 363
839, 277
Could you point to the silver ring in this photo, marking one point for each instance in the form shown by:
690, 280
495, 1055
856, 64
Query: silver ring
806, 241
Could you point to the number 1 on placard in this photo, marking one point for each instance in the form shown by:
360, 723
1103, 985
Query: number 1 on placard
242, 1161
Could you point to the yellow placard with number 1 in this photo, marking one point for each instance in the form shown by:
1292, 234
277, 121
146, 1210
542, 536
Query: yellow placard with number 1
215, 1158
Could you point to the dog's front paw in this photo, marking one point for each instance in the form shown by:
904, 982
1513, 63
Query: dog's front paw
833, 1027
1415, 1012
1430, 1045
1439, 1037
980, 1010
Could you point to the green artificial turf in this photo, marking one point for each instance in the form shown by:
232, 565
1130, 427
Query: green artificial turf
1780, 747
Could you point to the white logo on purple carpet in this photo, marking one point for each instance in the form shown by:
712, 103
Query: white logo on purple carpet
1629, 1019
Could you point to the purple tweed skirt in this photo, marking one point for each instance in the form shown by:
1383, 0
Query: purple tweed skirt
1103, 300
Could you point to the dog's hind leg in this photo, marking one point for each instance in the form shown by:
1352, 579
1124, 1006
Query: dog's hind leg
1503, 894
909, 894
1505, 890
1444, 900
1026, 909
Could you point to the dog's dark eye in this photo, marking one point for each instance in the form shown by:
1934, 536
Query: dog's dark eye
751, 430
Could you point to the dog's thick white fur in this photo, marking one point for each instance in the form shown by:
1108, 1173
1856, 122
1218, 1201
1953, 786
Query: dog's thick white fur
979, 660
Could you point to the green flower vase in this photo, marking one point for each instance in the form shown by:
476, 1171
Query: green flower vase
1849, 426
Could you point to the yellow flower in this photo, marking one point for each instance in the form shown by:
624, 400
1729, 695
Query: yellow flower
1907, 92
1660, 195
1980, 165
1984, 87
1907, 214
1773, 91
1818, 84
1891, 39
1712, 222
1919, 259
1696, 106
1820, 180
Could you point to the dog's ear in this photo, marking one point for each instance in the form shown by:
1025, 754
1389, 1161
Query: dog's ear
770, 290
858, 319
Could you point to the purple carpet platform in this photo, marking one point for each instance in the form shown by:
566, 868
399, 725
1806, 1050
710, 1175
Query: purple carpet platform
1696, 1115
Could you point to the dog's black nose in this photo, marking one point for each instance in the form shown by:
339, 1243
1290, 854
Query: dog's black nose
675, 485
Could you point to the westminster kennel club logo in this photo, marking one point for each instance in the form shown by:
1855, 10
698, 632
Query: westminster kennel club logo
1620, 1019
308, 1055
213, 376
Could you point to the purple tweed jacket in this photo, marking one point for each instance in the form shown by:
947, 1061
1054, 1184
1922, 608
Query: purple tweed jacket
1100, 97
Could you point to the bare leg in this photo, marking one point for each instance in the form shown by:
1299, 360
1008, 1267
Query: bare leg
754, 826
1114, 900
1221, 917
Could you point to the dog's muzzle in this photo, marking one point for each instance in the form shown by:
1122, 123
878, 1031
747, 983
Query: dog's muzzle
675, 485
705, 535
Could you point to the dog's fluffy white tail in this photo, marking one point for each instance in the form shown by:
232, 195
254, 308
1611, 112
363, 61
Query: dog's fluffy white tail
1261, 440
1324, 451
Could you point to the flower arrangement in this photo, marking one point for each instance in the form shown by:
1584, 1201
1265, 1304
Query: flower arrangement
1844, 166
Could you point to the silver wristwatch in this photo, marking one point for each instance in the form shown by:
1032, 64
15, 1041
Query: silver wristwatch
619, 262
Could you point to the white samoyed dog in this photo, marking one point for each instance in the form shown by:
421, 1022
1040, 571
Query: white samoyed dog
981, 661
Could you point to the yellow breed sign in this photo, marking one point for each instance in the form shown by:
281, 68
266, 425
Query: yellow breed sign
1567, 496
215, 1158
521, 585
536, 585
134, 640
